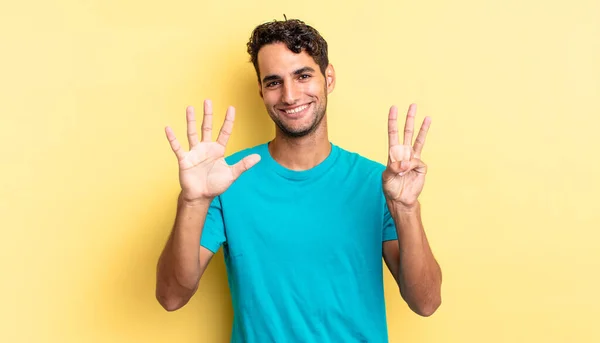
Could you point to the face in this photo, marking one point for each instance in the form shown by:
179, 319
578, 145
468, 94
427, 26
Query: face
293, 89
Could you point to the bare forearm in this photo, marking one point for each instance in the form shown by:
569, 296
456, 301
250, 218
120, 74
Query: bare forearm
420, 276
178, 271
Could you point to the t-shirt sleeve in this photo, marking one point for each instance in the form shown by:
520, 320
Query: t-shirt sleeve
213, 233
389, 227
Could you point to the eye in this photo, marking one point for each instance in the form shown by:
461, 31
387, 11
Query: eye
272, 84
304, 76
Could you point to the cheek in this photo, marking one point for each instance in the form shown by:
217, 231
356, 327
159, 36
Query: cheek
310, 90
317, 89
270, 97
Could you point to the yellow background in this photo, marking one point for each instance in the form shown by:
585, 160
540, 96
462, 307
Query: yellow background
88, 182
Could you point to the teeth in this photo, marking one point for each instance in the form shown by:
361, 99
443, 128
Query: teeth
297, 109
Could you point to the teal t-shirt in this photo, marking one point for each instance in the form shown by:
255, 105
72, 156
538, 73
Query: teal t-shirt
303, 249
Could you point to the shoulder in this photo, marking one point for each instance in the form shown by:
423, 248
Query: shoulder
239, 155
362, 175
246, 183
359, 162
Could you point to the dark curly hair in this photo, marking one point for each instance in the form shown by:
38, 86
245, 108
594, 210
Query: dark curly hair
295, 34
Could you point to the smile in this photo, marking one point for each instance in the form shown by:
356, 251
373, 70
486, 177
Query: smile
296, 112
297, 109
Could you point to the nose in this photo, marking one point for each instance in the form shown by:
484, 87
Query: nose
289, 95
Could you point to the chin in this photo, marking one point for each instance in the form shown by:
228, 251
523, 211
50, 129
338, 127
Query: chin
299, 128
296, 132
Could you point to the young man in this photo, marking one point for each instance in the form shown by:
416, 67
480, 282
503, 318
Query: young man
303, 223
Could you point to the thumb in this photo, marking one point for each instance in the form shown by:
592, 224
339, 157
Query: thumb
418, 166
245, 164
393, 169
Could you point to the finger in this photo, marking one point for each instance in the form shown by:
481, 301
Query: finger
400, 153
207, 121
245, 164
409, 125
191, 126
402, 167
227, 126
393, 169
420, 141
175, 146
393, 127
417, 166
388, 175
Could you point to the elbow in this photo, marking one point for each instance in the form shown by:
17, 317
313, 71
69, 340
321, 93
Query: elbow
171, 295
423, 304
171, 303
168, 303
429, 308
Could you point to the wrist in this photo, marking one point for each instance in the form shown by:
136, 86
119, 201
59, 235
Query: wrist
194, 201
401, 208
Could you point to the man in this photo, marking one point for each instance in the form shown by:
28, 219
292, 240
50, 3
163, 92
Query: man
303, 223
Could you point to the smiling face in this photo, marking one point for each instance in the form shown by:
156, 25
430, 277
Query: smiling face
293, 89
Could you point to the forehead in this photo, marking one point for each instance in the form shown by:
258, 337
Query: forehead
277, 59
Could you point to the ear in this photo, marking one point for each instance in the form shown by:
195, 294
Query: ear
260, 90
330, 78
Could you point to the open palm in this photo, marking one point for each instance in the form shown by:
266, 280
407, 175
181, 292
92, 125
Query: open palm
404, 177
203, 171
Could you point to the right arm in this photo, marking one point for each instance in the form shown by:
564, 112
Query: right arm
203, 175
183, 260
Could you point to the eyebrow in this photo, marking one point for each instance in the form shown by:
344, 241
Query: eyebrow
304, 70
296, 72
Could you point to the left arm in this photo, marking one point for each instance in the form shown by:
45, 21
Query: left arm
411, 262
410, 258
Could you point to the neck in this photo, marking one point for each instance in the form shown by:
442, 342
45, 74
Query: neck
301, 153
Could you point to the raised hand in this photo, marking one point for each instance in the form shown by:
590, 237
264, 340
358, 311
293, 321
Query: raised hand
203, 172
404, 177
